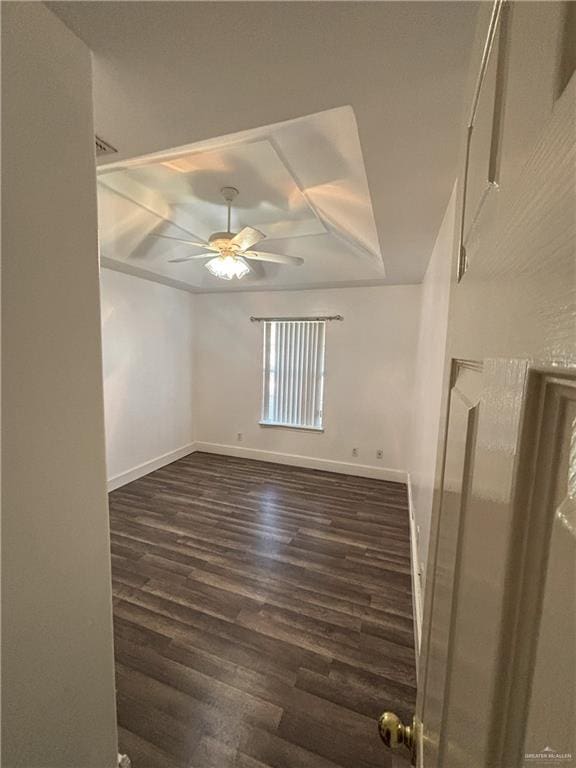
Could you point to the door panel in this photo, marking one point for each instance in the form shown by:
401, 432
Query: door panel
479, 593
473, 536
499, 682
536, 693
462, 419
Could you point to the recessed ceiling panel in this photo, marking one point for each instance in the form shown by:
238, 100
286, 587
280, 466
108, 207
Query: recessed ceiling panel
191, 186
302, 183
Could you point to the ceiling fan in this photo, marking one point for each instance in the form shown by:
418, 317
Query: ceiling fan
232, 248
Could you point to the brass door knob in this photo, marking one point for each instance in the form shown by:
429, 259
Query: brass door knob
395, 734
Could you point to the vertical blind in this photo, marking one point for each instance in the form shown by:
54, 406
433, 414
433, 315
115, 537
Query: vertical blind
293, 373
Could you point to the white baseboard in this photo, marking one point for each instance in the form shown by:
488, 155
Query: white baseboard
415, 569
149, 466
308, 462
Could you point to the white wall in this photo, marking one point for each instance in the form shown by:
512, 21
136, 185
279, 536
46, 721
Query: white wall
58, 707
148, 335
429, 381
369, 364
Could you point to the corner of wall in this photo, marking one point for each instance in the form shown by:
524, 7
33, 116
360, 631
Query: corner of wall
150, 466
415, 572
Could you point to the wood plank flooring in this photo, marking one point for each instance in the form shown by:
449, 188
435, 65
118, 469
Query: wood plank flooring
262, 615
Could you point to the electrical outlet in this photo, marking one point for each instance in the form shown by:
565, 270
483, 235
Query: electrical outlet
379, 453
354, 451
240, 436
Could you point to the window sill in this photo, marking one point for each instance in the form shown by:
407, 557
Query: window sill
290, 426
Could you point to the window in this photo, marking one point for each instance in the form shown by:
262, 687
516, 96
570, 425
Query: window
293, 373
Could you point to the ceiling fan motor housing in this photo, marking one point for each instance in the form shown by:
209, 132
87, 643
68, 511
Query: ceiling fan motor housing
222, 241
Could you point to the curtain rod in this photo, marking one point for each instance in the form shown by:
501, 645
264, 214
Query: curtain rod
295, 319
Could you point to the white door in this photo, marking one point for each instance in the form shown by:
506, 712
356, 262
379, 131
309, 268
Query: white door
497, 668
498, 684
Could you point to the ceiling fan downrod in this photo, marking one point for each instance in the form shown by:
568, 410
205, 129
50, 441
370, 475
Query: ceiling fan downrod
229, 194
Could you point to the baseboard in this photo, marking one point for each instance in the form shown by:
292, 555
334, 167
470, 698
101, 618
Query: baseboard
308, 462
149, 466
415, 570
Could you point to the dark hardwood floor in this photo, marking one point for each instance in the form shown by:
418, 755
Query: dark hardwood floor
262, 615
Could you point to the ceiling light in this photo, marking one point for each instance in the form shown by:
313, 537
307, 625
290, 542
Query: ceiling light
228, 267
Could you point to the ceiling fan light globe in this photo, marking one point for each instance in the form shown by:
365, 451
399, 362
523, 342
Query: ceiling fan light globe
228, 267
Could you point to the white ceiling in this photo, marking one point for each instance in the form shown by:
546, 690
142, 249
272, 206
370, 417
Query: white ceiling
173, 74
302, 183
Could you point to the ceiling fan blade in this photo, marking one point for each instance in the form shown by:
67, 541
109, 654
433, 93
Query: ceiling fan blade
276, 258
181, 240
247, 237
209, 255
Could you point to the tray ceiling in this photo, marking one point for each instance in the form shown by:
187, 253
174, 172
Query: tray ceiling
167, 74
302, 183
